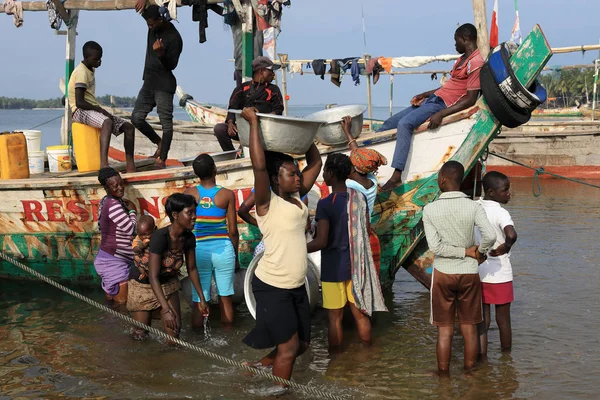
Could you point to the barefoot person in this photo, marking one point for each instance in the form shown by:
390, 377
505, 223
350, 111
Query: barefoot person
496, 272
164, 46
459, 93
449, 224
217, 239
282, 306
365, 164
348, 274
169, 248
86, 109
116, 221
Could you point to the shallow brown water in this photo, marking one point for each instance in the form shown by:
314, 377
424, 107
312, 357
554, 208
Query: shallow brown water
54, 346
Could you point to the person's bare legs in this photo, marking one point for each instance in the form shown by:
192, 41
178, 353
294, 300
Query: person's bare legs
363, 325
469, 333
444, 347
105, 132
145, 317
394, 181
121, 296
227, 313
158, 149
334, 327
482, 329
504, 326
285, 357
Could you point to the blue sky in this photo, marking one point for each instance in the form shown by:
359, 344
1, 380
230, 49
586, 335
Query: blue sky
33, 56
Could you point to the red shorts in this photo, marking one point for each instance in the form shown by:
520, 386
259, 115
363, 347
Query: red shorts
497, 293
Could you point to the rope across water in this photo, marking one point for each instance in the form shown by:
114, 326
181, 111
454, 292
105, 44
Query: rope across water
126, 318
536, 187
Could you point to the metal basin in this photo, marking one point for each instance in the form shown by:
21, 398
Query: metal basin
311, 282
332, 133
282, 134
220, 156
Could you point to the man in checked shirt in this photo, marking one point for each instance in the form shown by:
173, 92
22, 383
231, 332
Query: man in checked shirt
449, 224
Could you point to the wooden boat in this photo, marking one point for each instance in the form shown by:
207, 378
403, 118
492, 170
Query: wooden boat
571, 149
50, 222
566, 112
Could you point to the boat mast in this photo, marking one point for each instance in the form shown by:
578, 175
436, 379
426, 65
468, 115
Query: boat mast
65, 132
480, 19
247, 18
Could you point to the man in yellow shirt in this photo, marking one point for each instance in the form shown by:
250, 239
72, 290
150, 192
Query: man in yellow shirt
86, 109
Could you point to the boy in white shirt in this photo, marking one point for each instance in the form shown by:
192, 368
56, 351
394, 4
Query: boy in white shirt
496, 272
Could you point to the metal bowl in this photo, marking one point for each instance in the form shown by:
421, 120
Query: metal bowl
278, 133
331, 133
311, 282
220, 156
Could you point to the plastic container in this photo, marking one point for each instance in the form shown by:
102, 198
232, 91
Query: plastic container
34, 140
14, 163
36, 162
59, 158
86, 146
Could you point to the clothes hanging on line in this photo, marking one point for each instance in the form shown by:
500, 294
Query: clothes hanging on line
295, 68
14, 8
318, 67
417, 61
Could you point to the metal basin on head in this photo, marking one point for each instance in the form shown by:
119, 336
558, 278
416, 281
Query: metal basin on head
278, 133
331, 133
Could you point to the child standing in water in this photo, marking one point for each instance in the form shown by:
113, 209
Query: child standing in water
348, 273
496, 272
217, 239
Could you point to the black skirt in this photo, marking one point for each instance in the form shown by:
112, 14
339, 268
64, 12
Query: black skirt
279, 314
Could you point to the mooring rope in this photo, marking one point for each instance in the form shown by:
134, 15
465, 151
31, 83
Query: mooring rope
128, 319
536, 187
50, 120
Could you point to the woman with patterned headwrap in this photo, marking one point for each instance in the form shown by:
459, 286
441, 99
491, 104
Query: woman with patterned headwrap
362, 178
116, 222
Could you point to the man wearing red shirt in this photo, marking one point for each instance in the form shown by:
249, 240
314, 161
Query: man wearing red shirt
459, 93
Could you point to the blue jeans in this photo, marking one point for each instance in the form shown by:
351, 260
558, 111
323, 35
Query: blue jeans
406, 121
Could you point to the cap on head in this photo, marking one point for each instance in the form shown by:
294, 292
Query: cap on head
264, 63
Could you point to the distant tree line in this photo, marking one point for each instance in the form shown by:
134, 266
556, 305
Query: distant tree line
569, 87
13, 103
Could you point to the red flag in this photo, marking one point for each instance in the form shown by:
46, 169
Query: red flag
494, 28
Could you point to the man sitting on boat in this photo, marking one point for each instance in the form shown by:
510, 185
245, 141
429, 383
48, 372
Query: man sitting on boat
459, 93
259, 93
86, 109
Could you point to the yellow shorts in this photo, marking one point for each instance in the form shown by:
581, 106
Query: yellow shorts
336, 294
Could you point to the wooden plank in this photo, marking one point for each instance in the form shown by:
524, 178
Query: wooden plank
480, 19
92, 5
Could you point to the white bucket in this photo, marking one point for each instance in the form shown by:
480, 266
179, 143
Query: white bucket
59, 158
36, 162
34, 140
